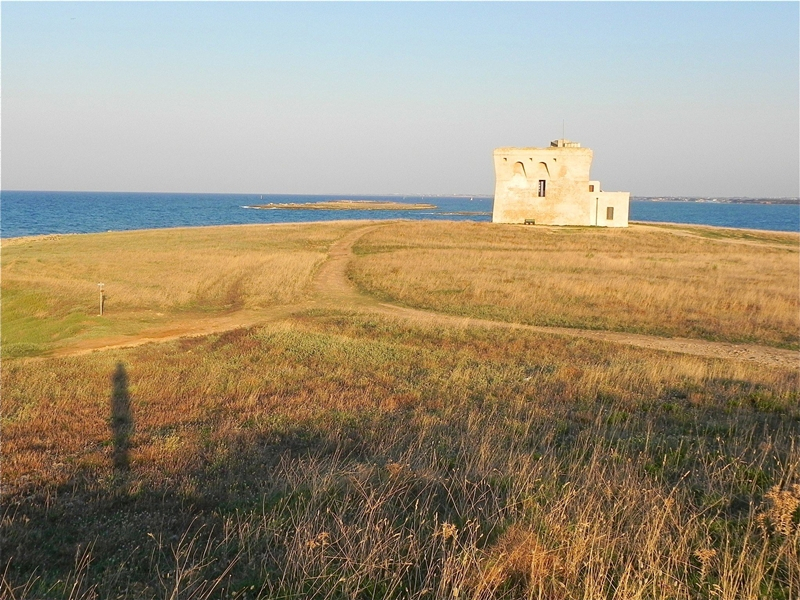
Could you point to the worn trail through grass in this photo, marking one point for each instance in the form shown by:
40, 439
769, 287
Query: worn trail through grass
333, 290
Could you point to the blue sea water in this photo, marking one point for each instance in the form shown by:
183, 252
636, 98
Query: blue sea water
769, 217
35, 213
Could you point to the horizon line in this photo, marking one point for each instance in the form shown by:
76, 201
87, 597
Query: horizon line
395, 194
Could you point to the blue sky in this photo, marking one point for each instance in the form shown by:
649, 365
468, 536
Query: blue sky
379, 98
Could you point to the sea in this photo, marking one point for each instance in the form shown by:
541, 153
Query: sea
25, 213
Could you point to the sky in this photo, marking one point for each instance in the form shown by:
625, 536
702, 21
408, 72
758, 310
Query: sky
697, 99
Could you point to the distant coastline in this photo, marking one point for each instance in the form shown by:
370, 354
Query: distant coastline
27, 213
715, 200
343, 205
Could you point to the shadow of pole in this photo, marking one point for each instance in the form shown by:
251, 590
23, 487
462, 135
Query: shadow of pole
121, 418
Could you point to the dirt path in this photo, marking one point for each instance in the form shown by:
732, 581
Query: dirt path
750, 352
673, 228
332, 283
331, 288
188, 327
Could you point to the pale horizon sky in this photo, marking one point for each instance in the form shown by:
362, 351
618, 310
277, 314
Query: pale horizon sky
696, 99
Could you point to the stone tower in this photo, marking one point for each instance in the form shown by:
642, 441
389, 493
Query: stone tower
551, 186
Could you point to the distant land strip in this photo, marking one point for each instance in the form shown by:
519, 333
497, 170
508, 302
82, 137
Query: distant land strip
344, 205
717, 200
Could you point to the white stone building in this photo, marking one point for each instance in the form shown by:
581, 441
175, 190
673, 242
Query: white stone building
551, 186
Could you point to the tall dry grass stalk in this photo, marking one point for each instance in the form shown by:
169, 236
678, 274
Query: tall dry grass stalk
642, 279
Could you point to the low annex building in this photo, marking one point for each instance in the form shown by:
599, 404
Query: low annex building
551, 186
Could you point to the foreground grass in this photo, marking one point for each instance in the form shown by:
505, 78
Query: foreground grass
672, 280
49, 284
344, 456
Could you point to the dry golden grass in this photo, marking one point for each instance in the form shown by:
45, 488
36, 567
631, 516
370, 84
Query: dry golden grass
345, 456
50, 293
676, 281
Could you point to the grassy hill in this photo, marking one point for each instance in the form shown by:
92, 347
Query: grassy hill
338, 452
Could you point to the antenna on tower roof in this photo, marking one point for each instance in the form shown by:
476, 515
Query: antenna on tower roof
563, 129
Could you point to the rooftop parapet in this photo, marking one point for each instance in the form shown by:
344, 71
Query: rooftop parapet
564, 144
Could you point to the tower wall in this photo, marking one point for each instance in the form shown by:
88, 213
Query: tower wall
551, 186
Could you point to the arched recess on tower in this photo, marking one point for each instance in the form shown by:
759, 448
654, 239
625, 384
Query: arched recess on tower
520, 178
542, 171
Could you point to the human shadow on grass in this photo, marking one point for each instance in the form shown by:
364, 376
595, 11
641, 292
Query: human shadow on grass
121, 422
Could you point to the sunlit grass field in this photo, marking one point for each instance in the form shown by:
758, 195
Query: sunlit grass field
49, 285
643, 279
343, 454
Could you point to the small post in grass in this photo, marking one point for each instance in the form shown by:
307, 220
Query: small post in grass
102, 296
